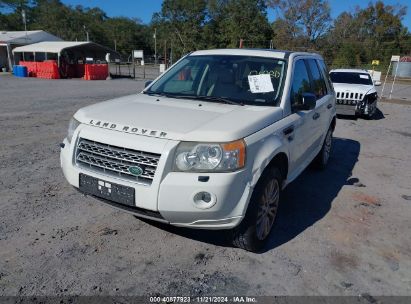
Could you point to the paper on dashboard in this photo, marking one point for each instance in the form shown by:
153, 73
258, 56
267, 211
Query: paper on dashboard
260, 83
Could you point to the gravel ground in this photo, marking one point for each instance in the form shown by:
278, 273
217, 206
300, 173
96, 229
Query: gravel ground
343, 231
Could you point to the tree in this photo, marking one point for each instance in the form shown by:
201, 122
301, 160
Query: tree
128, 35
181, 23
243, 19
305, 20
375, 32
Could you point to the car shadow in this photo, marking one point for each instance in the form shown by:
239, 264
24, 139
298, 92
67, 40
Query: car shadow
378, 115
309, 198
347, 117
304, 202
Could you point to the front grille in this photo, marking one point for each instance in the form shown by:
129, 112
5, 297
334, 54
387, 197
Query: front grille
349, 95
349, 98
116, 161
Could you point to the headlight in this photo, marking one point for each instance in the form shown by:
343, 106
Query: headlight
371, 97
72, 127
210, 157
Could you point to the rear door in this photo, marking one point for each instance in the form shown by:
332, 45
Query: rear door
324, 99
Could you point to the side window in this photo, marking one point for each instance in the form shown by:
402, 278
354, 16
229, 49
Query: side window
318, 82
300, 83
326, 74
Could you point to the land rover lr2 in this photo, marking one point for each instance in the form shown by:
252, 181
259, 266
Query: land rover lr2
208, 144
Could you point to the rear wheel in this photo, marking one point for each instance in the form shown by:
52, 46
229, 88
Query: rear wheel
253, 231
321, 160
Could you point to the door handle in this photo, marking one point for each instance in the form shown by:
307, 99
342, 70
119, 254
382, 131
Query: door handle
316, 116
288, 130
329, 106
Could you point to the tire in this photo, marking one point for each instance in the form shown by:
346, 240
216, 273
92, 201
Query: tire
321, 160
254, 229
371, 115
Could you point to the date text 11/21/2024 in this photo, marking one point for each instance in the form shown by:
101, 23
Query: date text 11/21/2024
203, 299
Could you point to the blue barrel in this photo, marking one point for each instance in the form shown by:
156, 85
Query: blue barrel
24, 72
20, 71
16, 70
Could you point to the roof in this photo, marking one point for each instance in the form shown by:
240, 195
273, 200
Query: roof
280, 54
51, 46
350, 71
22, 37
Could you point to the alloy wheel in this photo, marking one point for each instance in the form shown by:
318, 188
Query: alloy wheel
267, 209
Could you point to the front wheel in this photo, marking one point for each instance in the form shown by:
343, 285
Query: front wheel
372, 111
321, 160
253, 231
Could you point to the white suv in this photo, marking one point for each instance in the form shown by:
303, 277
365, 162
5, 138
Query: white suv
355, 92
210, 143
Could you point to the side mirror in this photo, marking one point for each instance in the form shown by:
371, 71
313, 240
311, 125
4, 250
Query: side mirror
147, 83
308, 102
377, 83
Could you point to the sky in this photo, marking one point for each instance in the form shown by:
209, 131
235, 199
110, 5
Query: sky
144, 9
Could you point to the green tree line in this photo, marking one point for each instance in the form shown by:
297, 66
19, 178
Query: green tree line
352, 39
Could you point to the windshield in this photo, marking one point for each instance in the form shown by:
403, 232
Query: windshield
355, 78
224, 78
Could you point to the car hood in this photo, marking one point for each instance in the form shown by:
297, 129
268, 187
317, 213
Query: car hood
178, 119
355, 88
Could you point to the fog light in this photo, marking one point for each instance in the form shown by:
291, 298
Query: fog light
204, 200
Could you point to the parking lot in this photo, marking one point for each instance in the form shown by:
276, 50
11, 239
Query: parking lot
343, 231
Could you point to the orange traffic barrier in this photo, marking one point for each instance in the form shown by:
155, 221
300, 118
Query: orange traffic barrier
31, 67
95, 71
48, 69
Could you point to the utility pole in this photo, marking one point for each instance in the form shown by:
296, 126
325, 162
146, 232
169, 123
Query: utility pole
115, 45
241, 43
171, 52
86, 32
155, 45
23, 15
165, 53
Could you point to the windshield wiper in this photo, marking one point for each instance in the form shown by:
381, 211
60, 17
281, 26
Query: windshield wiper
206, 98
154, 94
220, 99
200, 97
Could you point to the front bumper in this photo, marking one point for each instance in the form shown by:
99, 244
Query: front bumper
171, 194
350, 110
360, 108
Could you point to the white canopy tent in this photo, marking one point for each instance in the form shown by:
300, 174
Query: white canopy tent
49, 46
12, 39
74, 50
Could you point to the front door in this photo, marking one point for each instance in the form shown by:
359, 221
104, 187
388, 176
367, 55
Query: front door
305, 120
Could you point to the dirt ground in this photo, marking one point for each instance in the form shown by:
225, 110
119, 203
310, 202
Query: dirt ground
343, 231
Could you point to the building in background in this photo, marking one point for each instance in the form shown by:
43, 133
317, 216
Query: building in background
13, 39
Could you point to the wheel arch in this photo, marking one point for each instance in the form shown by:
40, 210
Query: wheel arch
271, 153
279, 161
264, 155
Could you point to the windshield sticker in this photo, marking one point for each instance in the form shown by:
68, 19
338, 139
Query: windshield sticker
260, 83
364, 77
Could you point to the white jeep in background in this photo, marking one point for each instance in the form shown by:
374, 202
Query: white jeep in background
210, 143
355, 92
